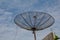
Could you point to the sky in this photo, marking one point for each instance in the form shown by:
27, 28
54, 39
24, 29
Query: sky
10, 8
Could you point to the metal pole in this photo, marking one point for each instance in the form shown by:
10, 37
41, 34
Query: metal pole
34, 35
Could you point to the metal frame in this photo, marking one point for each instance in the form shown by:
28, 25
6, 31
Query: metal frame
34, 28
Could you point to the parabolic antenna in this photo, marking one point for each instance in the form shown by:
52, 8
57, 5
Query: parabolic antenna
34, 21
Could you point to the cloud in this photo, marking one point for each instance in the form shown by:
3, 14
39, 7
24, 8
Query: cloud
16, 5
5, 16
9, 8
6, 31
7, 28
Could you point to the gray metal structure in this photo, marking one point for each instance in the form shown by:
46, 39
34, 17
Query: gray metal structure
34, 21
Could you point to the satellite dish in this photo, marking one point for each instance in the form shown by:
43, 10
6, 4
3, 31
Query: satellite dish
34, 21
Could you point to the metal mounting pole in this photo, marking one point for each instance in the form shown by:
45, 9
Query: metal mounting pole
34, 35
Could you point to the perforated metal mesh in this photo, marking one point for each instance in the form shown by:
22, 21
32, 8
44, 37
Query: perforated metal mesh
37, 20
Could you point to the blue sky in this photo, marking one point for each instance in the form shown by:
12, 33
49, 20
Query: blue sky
10, 8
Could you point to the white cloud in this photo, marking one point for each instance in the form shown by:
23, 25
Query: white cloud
5, 16
8, 28
16, 4
5, 30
